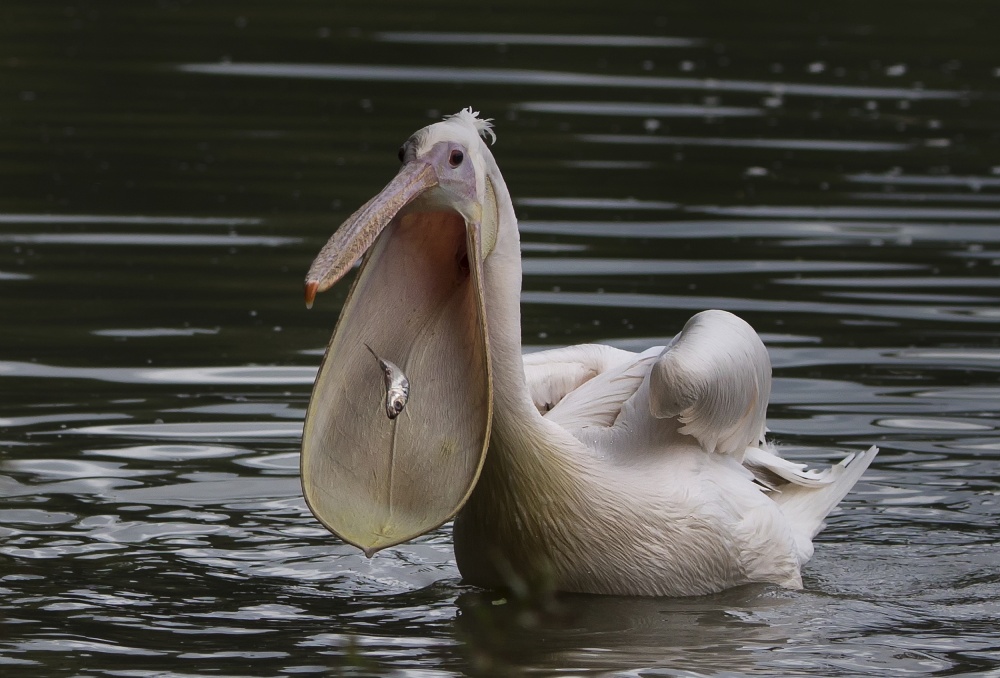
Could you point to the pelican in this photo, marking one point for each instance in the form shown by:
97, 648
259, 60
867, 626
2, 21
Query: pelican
584, 469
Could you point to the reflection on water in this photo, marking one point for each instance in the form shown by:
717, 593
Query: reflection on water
161, 239
168, 172
519, 77
182, 375
638, 109
849, 146
134, 220
543, 39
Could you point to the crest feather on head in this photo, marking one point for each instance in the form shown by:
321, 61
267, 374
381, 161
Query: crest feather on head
483, 126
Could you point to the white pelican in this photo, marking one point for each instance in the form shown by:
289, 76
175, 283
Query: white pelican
587, 468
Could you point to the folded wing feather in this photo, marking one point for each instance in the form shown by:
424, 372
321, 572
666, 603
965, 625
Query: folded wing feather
715, 378
554, 373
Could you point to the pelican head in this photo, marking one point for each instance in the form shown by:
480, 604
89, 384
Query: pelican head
418, 302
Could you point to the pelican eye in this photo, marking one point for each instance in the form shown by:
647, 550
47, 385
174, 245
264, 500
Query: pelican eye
402, 153
398, 406
456, 158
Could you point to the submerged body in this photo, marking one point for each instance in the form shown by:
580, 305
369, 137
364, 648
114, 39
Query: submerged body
586, 469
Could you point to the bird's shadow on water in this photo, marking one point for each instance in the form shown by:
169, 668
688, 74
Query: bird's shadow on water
712, 633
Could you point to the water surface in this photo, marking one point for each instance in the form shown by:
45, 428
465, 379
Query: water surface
168, 170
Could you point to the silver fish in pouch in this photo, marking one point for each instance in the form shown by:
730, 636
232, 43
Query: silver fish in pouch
397, 386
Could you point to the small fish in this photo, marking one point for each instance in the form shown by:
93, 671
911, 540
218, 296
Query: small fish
397, 386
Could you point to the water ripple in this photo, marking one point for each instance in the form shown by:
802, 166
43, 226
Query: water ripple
138, 333
843, 145
211, 431
925, 196
958, 314
849, 212
837, 232
597, 204
170, 452
64, 643
249, 374
543, 39
636, 109
972, 182
56, 469
550, 266
931, 281
453, 75
133, 220
148, 239
63, 417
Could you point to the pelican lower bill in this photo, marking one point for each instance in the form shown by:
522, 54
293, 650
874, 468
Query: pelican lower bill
417, 301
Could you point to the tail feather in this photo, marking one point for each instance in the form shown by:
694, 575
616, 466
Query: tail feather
807, 505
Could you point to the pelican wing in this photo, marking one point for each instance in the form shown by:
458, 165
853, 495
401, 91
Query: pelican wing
712, 383
598, 403
715, 379
552, 374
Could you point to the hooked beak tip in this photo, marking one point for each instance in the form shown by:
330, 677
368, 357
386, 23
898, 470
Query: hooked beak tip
311, 287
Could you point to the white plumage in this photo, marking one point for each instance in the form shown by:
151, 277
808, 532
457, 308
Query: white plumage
605, 471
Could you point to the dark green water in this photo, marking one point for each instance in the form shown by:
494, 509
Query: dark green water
168, 170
